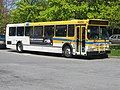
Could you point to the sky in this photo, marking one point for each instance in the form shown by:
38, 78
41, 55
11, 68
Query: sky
9, 4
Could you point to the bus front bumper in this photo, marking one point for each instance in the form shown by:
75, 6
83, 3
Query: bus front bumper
91, 53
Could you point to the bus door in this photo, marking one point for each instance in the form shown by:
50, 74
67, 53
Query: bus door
83, 38
80, 39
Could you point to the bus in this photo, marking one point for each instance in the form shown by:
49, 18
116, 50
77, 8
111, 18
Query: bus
73, 37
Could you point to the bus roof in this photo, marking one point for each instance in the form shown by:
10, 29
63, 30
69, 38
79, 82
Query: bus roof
76, 21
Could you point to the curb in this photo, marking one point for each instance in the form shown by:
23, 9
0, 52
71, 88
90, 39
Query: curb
114, 57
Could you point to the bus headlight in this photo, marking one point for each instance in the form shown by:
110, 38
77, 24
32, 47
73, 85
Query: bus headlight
91, 48
107, 47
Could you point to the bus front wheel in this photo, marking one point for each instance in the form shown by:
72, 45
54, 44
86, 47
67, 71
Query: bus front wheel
19, 47
67, 52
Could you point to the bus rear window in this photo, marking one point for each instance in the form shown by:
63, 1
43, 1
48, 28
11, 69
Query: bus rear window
12, 31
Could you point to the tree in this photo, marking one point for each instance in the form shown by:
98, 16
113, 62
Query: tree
27, 11
64, 10
108, 9
5, 7
52, 10
1, 16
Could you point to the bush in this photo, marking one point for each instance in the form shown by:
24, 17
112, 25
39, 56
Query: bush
115, 50
115, 46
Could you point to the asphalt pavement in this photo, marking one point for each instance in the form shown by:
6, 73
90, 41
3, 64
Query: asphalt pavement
43, 71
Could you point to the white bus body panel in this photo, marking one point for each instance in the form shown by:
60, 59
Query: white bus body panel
43, 49
26, 45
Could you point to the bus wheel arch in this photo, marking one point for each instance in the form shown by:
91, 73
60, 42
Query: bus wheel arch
19, 47
67, 50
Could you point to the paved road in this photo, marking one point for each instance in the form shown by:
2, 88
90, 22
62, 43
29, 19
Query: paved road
30, 71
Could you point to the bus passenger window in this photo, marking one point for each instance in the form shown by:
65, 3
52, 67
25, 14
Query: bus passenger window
70, 30
38, 32
12, 31
20, 31
48, 34
61, 30
49, 31
29, 31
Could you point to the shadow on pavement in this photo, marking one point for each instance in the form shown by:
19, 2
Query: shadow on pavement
3, 48
60, 55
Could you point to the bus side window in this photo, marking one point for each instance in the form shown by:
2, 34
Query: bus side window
12, 31
38, 32
48, 34
20, 31
49, 31
29, 31
61, 30
70, 30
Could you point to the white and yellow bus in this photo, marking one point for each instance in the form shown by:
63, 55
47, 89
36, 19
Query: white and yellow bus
73, 37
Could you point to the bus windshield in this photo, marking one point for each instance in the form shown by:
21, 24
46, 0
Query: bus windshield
97, 32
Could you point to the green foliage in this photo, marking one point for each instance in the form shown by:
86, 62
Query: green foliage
63, 10
115, 50
0, 15
1, 19
52, 10
27, 10
115, 53
115, 47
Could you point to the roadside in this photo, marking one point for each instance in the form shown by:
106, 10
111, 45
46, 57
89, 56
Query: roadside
115, 51
118, 57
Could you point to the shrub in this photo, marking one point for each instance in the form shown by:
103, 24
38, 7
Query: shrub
115, 46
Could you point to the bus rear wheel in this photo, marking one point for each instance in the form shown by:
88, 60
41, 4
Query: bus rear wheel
19, 47
67, 52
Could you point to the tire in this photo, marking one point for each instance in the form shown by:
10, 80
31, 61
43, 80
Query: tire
19, 47
67, 52
104, 55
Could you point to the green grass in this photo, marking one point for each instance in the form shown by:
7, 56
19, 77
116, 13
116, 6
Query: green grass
115, 52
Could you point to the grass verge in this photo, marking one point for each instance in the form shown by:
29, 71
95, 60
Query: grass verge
115, 52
